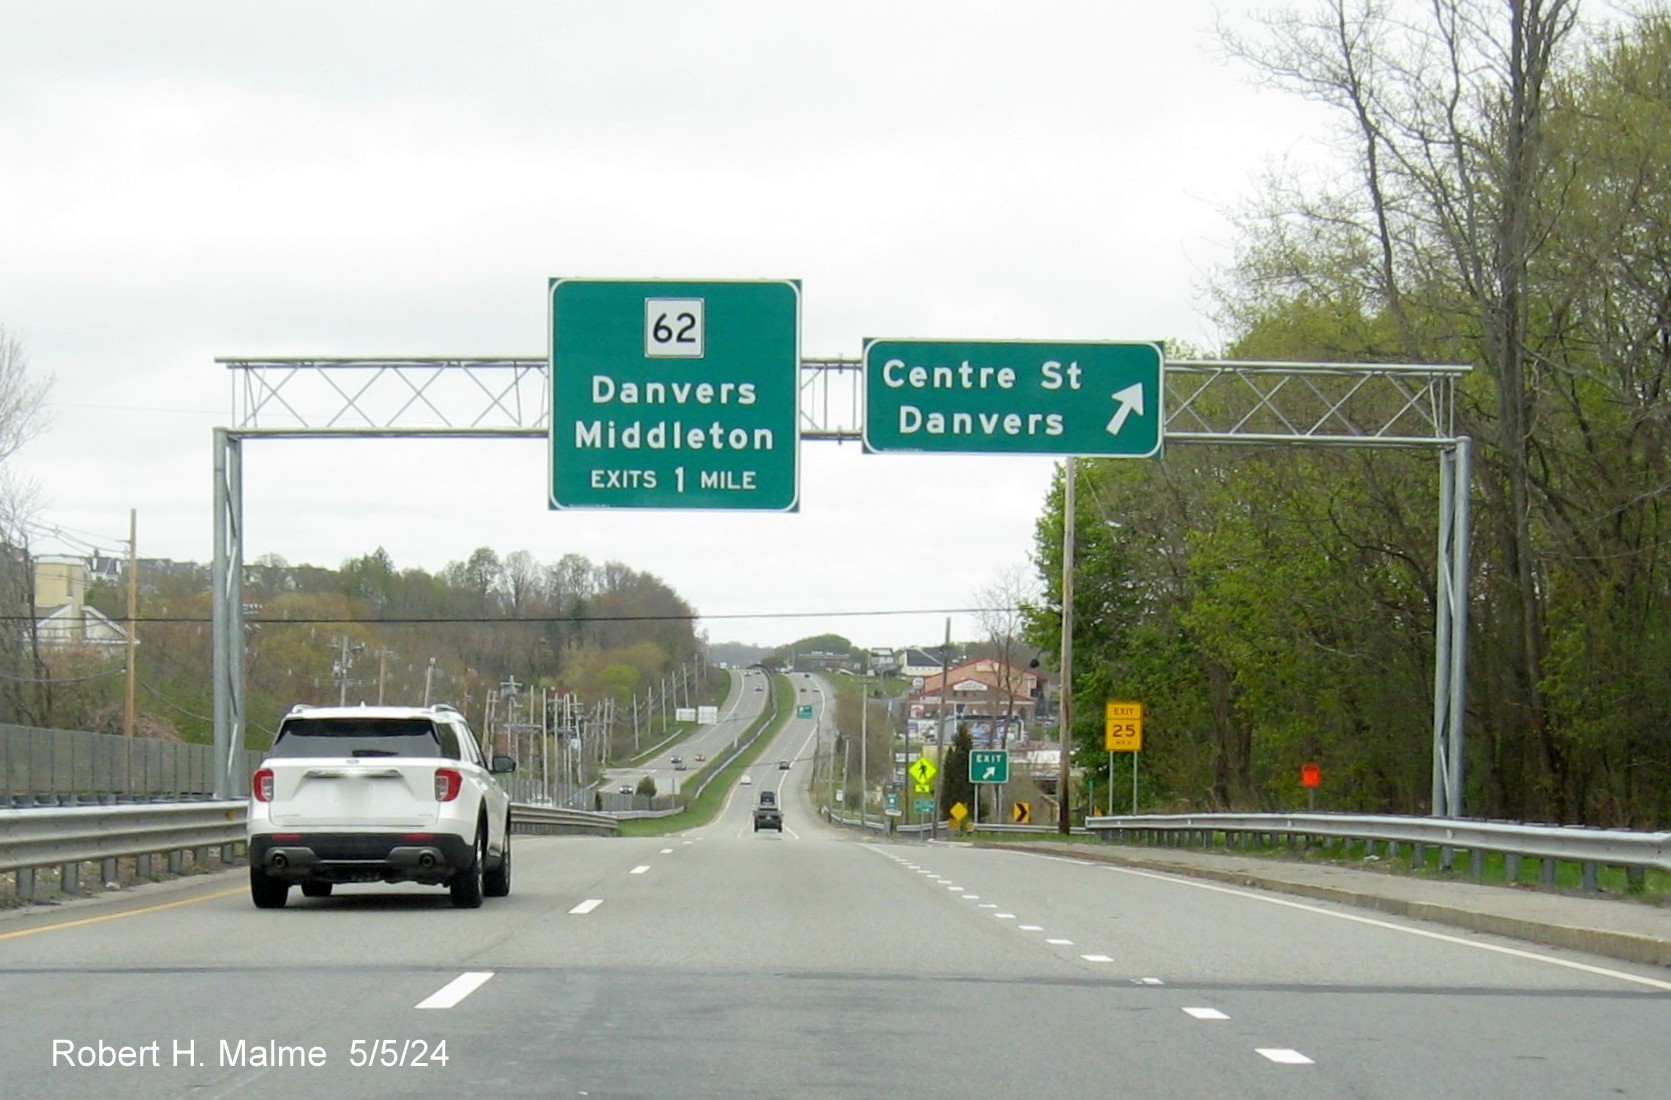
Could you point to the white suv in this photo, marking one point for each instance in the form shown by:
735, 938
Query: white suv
378, 794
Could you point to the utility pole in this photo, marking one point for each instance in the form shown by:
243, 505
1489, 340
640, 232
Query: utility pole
344, 662
864, 745
940, 724
383, 656
128, 709
1064, 712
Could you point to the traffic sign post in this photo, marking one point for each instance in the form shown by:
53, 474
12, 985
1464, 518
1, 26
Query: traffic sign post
1122, 732
673, 394
1311, 777
1013, 397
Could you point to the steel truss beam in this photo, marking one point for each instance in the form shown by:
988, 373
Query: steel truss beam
1206, 401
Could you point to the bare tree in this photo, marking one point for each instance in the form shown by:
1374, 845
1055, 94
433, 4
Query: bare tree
22, 415
25, 695
1001, 612
22, 398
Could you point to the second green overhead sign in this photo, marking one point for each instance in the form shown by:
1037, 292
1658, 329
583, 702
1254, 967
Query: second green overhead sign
1013, 397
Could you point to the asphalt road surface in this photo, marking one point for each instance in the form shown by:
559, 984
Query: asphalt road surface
816, 963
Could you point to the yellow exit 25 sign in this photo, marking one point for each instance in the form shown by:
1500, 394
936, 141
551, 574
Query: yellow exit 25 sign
1123, 726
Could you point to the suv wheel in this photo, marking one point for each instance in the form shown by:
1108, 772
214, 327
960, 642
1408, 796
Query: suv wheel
266, 891
467, 883
496, 883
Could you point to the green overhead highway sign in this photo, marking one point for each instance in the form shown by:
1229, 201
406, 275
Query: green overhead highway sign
674, 394
1013, 397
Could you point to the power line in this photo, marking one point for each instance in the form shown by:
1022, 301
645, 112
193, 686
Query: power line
483, 620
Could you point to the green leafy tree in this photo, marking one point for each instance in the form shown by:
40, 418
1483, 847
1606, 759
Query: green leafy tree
954, 778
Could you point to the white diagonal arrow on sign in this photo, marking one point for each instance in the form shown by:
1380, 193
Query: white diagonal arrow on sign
1131, 401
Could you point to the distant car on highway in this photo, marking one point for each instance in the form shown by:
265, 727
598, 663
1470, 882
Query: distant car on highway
783, 765
746, 779
624, 788
766, 813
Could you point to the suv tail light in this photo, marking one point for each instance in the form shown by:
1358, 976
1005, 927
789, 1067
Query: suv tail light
447, 784
261, 785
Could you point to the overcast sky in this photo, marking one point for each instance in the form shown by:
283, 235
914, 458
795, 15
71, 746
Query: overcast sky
181, 181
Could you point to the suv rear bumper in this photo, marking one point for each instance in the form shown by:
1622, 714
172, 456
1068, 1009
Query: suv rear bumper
430, 858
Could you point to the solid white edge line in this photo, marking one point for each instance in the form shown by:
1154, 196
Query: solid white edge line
1513, 952
456, 990
586, 906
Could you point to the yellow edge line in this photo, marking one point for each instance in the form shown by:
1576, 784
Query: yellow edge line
117, 916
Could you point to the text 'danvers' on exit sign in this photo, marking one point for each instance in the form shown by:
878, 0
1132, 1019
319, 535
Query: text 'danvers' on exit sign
675, 394
1013, 397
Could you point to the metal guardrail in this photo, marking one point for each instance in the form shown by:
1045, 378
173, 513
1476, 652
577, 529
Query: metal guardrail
1636, 852
44, 837
62, 838
552, 820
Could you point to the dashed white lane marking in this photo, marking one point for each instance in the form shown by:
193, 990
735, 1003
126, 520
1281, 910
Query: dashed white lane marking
955, 889
1206, 1013
586, 906
640, 869
1147, 981
1004, 916
1096, 958
988, 905
456, 990
1061, 943
971, 897
1031, 927
667, 851
1282, 1056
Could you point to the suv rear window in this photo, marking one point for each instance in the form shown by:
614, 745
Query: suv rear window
357, 737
